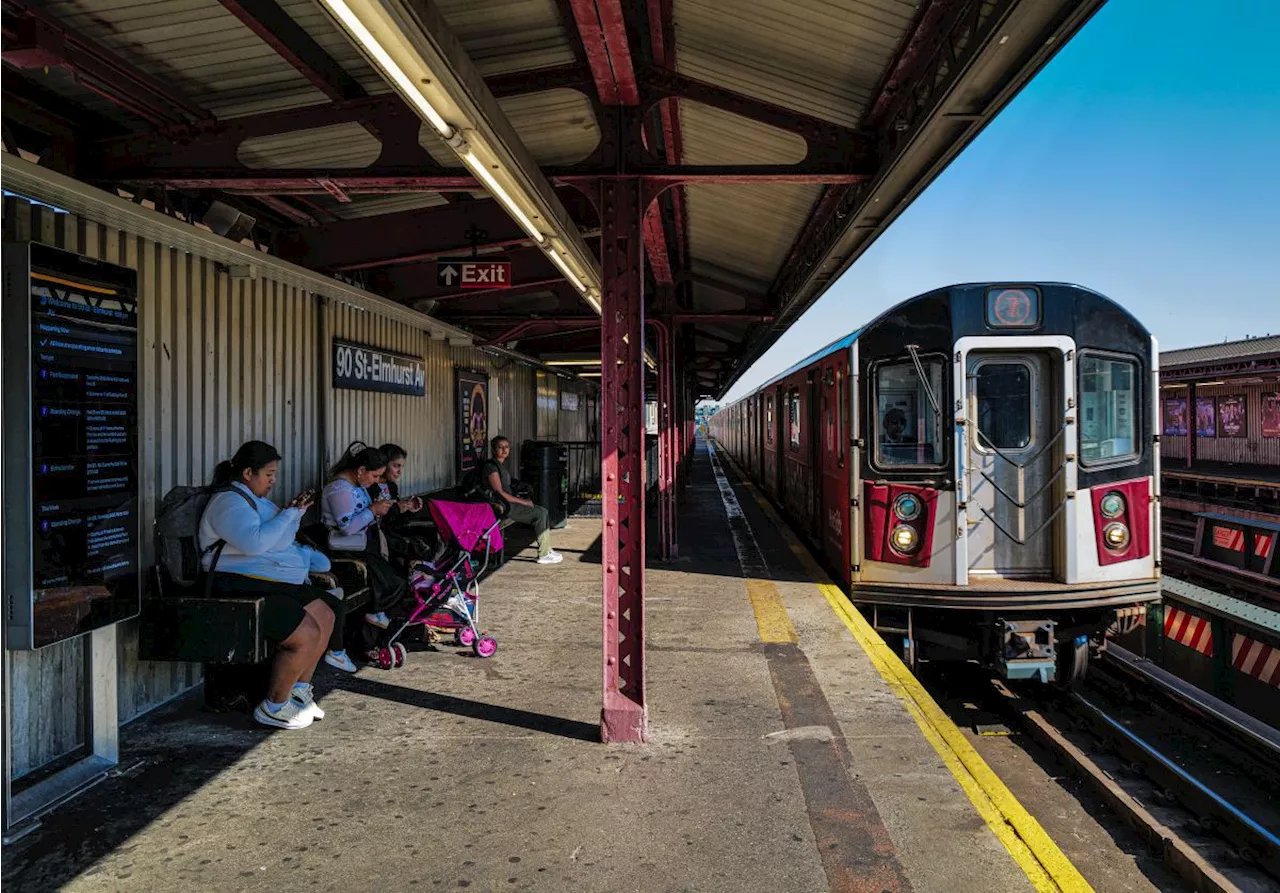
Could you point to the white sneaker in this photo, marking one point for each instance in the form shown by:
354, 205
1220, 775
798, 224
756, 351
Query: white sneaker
551, 558
380, 620
305, 699
340, 660
290, 716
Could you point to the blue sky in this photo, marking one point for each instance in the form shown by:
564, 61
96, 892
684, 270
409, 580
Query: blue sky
1143, 161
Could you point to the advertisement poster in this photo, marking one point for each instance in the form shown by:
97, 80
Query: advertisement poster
1175, 416
1271, 415
1206, 417
1231, 416
473, 419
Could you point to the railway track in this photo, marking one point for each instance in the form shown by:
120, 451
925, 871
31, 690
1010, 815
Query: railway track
1196, 778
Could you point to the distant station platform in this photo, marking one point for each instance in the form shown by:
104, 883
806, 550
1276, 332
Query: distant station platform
1225, 472
789, 750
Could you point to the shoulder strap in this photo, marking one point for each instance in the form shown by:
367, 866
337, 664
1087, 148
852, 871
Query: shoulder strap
217, 546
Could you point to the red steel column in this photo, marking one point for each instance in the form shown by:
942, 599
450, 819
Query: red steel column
623, 716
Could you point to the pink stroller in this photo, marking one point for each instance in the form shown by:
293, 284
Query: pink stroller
447, 590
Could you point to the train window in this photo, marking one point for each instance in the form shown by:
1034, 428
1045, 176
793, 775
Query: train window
1004, 405
908, 431
768, 420
793, 417
1108, 416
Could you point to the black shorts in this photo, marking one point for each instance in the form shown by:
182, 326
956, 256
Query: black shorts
283, 604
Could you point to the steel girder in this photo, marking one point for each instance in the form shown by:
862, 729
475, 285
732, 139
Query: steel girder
623, 715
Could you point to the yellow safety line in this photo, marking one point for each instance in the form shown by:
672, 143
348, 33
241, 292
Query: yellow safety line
771, 614
1045, 865
83, 286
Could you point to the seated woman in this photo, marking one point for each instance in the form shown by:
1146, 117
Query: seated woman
399, 521
352, 517
260, 557
497, 481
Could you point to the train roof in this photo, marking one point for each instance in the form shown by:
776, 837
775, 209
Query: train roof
847, 340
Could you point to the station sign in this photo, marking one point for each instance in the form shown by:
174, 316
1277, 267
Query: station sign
472, 273
364, 368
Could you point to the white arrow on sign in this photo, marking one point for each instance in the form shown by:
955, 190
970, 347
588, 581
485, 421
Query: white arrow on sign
449, 274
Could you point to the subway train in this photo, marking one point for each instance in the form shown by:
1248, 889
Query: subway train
978, 467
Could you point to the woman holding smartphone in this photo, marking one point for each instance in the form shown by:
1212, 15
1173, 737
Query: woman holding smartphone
353, 516
397, 523
260, 557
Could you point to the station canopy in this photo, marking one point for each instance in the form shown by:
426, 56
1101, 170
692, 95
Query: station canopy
416, 149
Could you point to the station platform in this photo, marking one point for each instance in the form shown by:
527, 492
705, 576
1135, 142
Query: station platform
786, 753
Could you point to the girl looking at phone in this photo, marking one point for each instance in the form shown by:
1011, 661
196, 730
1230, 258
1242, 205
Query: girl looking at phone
352, 517
261, 558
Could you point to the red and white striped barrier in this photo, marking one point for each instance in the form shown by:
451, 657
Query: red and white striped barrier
1258, 660
1188, 629
1233, 539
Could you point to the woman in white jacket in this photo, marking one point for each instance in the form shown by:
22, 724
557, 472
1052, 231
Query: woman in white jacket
257, 555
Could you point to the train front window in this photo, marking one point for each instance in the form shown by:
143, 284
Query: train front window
1108, 409
1004, 405
907, 430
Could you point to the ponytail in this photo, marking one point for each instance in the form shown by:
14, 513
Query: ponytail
358, 455
253, 455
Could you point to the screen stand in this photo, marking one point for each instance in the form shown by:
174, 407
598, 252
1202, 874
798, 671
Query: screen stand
23, 808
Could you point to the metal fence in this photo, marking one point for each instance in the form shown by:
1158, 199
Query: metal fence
584, 470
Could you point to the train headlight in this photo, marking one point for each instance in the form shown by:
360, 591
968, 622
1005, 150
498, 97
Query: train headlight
1112, 505
1116, 536
904, 539
907, 507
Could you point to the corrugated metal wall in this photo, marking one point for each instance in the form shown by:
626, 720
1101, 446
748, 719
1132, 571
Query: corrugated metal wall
1253, 449
574, 424
548, 406
221, 361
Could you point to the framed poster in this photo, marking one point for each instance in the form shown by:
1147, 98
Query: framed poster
1232, 416
1206, 417
569, 401
472, 409
1271, 415
1175, 416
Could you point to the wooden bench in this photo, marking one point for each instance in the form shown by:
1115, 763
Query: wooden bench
224, 633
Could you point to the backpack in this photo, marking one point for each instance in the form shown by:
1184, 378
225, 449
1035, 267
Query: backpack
475, 483
177, 530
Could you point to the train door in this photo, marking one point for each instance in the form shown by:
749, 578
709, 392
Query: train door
1015, 462
813, 442
780, 443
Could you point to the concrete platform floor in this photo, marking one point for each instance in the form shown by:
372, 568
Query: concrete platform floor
771, 767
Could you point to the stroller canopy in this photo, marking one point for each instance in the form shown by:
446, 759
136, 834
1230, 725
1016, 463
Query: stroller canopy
465, 524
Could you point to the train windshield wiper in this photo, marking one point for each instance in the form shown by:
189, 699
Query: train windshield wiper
914, 350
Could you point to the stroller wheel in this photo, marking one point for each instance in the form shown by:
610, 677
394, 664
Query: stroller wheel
400, 653
465, 636
386, 660
485, 646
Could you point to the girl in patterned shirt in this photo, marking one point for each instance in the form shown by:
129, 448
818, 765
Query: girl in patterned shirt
352, 518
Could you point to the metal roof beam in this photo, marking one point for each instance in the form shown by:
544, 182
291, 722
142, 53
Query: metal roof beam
215, 143
388, 179
412, 236
279, 31
603, 30
40, 41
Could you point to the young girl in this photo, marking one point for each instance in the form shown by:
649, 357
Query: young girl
353, 521
401, 524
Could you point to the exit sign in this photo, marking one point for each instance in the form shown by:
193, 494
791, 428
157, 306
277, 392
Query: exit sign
472, 273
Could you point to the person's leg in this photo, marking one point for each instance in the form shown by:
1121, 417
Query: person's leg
319, 611
536, 517
295, 655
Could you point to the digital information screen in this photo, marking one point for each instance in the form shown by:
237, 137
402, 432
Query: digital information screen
83, 407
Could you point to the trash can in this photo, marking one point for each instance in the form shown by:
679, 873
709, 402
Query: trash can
544, 465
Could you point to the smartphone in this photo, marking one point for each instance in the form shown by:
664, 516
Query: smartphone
307, 495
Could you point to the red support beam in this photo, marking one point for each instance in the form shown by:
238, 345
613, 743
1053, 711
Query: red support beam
386, 180
278, 30
603, 31
411, 236
623, 714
